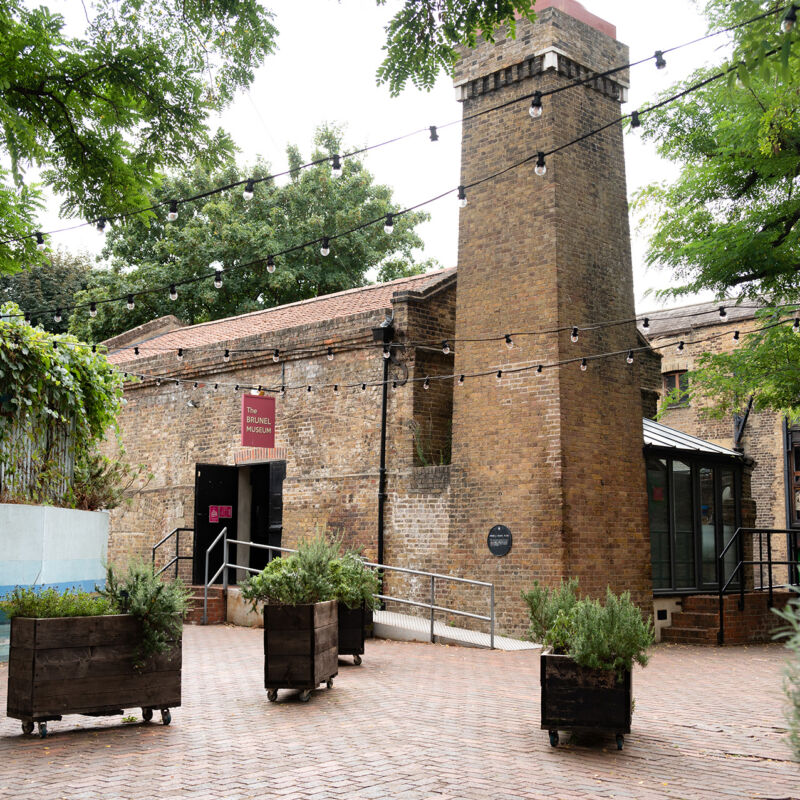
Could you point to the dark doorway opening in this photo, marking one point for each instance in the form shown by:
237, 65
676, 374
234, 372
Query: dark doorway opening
266, 511
216, 489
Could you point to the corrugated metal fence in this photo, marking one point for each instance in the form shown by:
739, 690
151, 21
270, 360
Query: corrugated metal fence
36, 461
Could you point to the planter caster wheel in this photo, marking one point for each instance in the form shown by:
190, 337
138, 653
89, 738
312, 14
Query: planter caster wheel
305, 695
147, 714
272, 695
329, 683
553, 738
166, 717
620, 741
357, 660
27, 727
42, 727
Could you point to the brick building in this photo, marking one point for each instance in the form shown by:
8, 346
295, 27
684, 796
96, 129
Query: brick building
555, 456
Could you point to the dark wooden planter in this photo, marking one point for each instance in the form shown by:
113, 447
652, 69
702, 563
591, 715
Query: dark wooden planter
301, 647
576, 698
84, 665
355, 624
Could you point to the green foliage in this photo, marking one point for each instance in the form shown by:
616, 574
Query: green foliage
30, 602
316, 573
160, 607
52, 392
225, 228
101, 482
729, 222
791, 614
609, 636
549, 610
422, 38
49, 284
102, 114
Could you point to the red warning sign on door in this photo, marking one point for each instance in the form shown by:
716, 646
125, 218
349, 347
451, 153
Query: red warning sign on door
213, 514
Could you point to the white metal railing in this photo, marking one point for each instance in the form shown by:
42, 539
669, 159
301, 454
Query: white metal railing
433, 576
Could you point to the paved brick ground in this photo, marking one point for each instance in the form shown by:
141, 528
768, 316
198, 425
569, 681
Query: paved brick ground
419, 721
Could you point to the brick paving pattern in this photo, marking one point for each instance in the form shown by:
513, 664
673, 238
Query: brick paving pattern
419, 722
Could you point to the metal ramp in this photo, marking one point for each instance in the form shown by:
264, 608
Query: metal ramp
406, 628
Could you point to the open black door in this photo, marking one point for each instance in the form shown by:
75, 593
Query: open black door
266, 510
216, 491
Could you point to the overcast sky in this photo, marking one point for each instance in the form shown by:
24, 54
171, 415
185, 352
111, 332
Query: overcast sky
324, 70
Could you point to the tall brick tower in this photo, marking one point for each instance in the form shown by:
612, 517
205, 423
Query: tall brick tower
555, 456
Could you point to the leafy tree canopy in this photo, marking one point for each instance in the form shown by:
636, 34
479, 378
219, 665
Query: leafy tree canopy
103, 114
729, 223
51, 284
228, 229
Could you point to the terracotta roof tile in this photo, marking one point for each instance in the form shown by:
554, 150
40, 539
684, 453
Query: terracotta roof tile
304, 312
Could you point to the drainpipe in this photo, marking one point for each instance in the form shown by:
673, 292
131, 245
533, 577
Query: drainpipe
383, 334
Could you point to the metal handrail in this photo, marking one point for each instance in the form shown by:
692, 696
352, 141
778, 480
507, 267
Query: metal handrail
220, 535
432, 575
792, 563
177, 557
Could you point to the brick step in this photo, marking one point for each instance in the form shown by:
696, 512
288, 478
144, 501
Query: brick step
704, 603
689, 635
216, 606
695, 619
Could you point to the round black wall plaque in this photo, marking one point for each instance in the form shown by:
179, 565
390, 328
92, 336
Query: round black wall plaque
499, 540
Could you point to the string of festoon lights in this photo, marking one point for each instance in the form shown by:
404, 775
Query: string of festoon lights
324, 242
332, 348
582, 360
336, 159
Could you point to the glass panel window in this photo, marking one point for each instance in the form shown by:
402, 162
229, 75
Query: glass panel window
657, 501
682, 509
679, 381
728, 509
708, 528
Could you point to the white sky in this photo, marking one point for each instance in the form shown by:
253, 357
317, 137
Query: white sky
324, 70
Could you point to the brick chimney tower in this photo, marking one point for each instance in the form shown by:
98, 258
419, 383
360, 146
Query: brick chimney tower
556, 456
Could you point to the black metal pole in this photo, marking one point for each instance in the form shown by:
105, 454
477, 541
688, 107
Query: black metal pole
382, 468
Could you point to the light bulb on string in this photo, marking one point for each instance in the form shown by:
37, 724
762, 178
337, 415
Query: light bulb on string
736, 336
509, 341
195, 384
270, 264
136, 350
722, 312
629, 357
427, 384
226, 356
539, 369
336, 388
173, 210
796, 325
330, 354
790, 19
158, 381
461, 380
283, 391
646, 323
94, 348
180, 354
92, 309
388, 227
660, 62
584, 365
236, 388
101, 224
536, 105
27, 316
276, 355
247, 193
216, 386
394, 386
363, 387
218, 279
57, 315
173, 292
386, 351
499, 375
130, 303
446, 347
40, 243
635, 121
574, 335
336, 166
309, 388
541, 167
680, 347
325, 249
434, 133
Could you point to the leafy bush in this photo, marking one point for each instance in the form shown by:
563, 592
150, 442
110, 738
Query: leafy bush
610, 636
101, 482
160, 607
316, 573
792, 681
28, 602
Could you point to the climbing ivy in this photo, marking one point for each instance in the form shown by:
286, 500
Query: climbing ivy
57, 401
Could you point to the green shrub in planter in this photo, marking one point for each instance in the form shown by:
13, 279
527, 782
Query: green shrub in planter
791, 615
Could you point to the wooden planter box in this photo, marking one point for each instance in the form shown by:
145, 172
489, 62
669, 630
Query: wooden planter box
84, 665
354, 625
576, 698
301, 647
